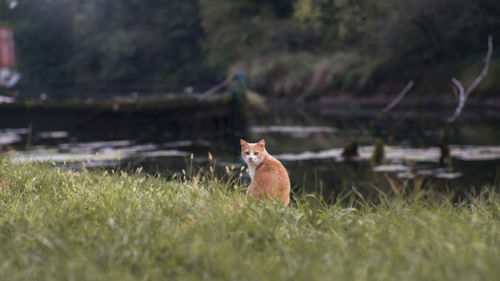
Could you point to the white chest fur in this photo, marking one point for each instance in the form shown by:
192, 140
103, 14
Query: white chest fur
251, 171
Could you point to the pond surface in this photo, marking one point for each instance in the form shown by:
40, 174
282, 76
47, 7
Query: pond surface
309, 142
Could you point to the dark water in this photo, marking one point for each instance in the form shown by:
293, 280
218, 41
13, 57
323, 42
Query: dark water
308, 140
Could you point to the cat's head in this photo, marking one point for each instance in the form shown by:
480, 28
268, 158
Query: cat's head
253, 153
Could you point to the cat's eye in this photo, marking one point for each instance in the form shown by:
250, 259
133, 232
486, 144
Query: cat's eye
247, 153
256, 153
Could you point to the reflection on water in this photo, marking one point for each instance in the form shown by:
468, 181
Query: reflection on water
397, 154
308, 142
10, 136
54, 135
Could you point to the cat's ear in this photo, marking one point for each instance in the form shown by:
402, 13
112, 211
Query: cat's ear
243, 143
262, 143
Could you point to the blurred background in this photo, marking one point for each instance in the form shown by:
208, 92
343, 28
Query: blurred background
145, 83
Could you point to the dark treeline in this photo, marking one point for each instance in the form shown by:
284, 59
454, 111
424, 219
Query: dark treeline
301, 47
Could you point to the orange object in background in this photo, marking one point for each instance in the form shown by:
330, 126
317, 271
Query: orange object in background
7, 51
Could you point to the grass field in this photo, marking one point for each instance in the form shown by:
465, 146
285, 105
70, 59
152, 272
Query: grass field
58, 224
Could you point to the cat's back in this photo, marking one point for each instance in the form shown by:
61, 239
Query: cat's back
272, 169
271, 179
275, 163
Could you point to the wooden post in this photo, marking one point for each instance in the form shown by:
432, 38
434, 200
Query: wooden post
7, 51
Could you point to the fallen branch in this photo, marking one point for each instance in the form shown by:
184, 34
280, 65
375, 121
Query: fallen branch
213, 90
463, 94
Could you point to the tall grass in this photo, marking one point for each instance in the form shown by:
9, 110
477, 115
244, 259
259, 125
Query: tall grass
59, 224
307, 76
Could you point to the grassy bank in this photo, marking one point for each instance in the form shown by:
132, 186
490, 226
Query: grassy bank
305, 76
57, 224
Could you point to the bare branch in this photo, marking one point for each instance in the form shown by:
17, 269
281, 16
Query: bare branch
455, 92
463, 94
461, 100
398, 99
487, 60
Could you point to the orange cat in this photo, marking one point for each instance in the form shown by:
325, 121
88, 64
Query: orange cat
269, 177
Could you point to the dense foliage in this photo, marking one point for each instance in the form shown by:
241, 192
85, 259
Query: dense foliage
307, 46
58, 224
96, 42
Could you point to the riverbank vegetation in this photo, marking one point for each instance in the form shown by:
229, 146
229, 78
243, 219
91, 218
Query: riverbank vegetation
297, 49
61, 224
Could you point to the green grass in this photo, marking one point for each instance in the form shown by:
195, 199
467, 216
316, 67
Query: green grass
58, 224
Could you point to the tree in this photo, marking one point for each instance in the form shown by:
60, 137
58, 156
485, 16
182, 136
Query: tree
239, 29
141, 41
43, 34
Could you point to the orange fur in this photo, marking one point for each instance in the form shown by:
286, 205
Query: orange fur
269, 177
